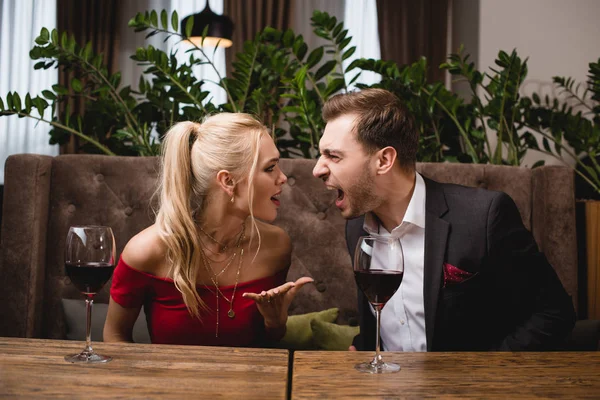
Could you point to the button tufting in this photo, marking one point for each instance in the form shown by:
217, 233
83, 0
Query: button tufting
291, 181
321, 287
100, 178
321, 215
71, 208
482, 184
129, 211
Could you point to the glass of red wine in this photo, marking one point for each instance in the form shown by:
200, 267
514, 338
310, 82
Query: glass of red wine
378, 270
89, 263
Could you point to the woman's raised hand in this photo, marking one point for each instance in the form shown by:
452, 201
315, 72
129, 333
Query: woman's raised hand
273, 304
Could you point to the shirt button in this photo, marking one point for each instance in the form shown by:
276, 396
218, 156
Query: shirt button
402, 322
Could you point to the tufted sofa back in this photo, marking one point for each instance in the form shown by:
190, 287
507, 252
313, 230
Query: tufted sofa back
44, 195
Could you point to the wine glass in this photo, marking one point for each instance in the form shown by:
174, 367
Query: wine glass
89, 262
378, 270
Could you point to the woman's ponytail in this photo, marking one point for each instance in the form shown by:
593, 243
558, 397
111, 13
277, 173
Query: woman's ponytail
175, 218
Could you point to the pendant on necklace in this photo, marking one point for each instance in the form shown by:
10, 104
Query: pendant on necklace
231, 313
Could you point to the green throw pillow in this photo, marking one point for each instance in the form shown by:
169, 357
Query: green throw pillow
299, 335
329, 336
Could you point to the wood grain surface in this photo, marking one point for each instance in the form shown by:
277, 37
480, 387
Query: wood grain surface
569, 375
35, 368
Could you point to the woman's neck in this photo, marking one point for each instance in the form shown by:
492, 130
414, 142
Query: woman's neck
220, 223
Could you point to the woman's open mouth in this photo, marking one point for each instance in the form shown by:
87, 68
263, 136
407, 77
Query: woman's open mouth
275, 199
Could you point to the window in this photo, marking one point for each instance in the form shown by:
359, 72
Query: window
20, 23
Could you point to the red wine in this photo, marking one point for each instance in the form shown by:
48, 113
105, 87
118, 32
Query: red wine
89, 277
378, 285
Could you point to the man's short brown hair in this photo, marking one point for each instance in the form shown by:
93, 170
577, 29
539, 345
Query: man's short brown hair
382, 121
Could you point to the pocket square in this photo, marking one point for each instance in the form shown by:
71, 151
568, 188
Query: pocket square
454, 275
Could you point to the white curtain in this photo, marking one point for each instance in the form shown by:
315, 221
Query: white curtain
360, 18
130, 41
20, 23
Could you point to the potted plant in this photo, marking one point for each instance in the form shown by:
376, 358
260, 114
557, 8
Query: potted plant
276, 77
571, 133
455, 130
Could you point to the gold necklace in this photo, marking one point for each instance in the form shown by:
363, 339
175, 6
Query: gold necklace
224, 268
227, 261
224, 247
205, 262
207, 249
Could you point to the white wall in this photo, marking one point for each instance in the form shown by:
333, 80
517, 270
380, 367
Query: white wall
560, 37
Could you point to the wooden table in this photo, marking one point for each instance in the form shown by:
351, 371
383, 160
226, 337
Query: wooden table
34, 368
331, 375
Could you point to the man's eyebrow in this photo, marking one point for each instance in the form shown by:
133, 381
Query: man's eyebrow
331, 151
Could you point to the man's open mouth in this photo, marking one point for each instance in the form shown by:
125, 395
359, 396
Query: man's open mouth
340, 198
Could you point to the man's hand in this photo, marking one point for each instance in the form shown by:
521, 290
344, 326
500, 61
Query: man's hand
351, 348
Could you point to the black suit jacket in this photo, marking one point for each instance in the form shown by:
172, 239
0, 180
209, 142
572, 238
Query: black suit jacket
513, 301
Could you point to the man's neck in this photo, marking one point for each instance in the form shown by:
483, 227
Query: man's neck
397, 196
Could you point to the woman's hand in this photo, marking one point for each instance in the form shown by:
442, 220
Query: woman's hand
274, 303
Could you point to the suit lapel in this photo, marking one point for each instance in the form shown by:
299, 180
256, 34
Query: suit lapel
436, 236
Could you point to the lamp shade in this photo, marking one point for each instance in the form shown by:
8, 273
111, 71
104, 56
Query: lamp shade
220, 28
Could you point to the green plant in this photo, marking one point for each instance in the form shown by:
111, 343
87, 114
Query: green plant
572, 121
503, 112
275, 78
279, 79
438, 136
452, 129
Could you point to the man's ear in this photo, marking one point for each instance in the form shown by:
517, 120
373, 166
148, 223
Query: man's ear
386, 158
226, 182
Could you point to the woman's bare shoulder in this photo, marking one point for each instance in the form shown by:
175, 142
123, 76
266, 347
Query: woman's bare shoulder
146, 251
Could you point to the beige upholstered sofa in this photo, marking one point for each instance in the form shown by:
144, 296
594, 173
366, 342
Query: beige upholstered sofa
44, 195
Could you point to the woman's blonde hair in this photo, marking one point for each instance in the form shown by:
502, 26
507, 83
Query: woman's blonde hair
192, 154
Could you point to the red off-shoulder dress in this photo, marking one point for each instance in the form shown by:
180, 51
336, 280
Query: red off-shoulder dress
169, 321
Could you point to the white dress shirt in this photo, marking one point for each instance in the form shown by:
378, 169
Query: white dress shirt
403, 317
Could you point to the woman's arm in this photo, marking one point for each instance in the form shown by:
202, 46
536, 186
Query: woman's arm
119, 322
142, 256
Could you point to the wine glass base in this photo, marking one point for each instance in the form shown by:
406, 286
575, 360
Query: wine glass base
89, 358
382, 368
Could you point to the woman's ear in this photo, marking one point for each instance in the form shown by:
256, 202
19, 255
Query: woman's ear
226, 182
385, 159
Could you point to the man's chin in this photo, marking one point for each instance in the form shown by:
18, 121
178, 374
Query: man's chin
348, 213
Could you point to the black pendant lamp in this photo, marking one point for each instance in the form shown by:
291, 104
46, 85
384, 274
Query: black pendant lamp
220, 28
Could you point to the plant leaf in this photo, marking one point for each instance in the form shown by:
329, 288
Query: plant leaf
175, 21
348, 53
49, 95
325, 69
76, 85
314, 57
164, 19
189, 25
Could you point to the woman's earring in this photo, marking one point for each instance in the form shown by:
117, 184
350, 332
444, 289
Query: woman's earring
232, 197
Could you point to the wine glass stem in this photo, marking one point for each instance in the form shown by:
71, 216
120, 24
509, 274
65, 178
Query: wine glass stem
378, 360
88, 325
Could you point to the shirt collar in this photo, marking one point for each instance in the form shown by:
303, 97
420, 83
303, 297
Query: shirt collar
415, 212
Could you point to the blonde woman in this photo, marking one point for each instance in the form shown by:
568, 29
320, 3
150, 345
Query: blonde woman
209, 271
